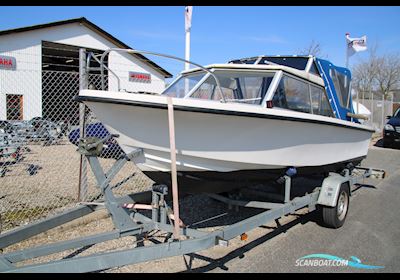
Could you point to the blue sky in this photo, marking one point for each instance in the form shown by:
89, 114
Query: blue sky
223, 33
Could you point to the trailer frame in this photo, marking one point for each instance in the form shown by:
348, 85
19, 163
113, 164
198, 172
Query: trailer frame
129, 222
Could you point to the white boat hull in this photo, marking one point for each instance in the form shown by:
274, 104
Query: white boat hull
211, 141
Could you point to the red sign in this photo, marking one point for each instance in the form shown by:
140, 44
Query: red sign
7, 62
139, 77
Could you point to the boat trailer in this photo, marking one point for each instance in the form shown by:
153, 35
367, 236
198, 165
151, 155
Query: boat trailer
127, 220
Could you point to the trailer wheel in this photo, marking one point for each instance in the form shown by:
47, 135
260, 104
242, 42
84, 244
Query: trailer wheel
334, 217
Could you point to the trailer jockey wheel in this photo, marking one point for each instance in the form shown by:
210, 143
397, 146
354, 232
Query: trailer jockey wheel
334, 217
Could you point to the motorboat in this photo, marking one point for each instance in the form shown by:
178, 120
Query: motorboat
239, 123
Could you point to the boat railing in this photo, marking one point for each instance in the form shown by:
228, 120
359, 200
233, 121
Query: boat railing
132, 51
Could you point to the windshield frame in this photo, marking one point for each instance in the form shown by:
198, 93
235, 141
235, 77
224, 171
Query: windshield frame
270, 90
196, 86
182, 76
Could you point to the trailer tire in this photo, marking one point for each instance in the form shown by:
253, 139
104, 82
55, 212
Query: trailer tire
334, 217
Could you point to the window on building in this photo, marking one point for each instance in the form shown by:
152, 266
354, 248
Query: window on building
14, 106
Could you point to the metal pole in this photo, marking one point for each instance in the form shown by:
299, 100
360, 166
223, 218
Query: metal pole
155, 207
83, 84
358, 102
391, 105
383, 111
372, 105
187, 49
187, 57
175, 197
288, 182
347, 55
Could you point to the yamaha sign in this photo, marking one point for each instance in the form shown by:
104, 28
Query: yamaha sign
139, 77
8, 62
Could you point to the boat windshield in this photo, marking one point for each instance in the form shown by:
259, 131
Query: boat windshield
244, 87
182, 86
237, 86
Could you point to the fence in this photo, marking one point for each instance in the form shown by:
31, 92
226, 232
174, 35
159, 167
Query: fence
39, 162
379, 110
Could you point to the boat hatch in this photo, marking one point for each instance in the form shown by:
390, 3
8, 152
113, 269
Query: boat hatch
305, 63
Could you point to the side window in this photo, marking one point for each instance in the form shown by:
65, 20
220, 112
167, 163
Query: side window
319, 102
313, 69
342, 87
316, 96
292, 94
279, 99
326, 109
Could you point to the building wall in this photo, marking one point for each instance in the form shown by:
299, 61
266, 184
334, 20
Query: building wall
26, 79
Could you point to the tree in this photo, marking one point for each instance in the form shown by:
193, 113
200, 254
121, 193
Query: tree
314, 48
388, 74
365, 72
377, 73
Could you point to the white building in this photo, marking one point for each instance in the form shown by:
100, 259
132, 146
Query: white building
39, 68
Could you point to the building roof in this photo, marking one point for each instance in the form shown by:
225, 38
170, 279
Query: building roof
96, 29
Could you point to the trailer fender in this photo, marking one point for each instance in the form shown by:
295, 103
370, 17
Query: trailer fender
330, 189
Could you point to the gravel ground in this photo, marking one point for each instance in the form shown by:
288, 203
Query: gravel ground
25, 198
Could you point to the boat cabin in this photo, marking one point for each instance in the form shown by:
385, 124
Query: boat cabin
301, 83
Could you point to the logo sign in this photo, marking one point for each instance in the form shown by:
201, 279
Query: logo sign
139, 77
318, 260
8, 62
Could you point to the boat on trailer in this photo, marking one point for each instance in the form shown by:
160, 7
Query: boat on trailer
240, 123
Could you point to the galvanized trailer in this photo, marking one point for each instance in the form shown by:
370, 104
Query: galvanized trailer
332, 196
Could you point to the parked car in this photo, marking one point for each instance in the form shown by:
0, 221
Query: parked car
391, 131
111, 149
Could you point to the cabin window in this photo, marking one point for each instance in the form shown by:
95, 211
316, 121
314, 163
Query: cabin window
183, 85
294, 62
313, 69
247, 88
319, 102
209, 91
292, 94
342, 87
